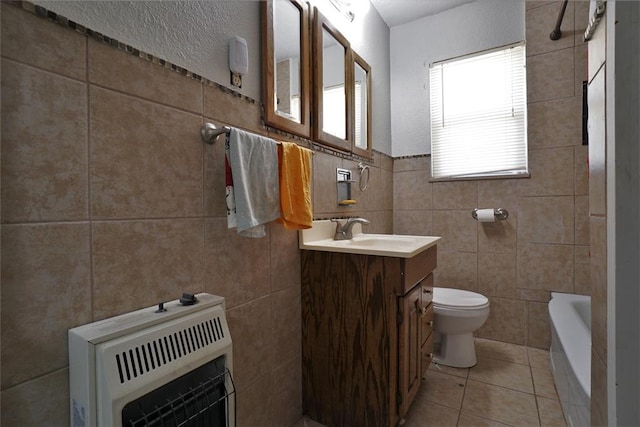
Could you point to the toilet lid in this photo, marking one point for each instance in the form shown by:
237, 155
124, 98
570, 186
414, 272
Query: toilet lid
457, 298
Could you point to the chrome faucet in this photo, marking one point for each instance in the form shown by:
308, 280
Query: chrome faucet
344, 231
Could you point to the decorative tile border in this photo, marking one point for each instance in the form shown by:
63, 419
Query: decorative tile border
67, 23
415, 156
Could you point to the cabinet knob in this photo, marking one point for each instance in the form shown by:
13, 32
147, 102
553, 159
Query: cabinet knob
431, 323
421, 309
426, 290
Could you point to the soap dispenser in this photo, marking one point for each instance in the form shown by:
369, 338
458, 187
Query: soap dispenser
344, 180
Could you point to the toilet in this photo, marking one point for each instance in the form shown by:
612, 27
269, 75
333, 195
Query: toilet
457, 314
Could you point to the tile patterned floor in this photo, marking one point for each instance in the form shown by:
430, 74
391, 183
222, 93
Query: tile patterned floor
511, 385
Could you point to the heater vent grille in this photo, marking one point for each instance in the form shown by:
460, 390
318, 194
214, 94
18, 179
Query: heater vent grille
140, 359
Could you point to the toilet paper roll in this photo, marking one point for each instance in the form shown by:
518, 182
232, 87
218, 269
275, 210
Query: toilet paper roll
486, 215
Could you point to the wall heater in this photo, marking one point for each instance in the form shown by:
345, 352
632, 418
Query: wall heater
169, 365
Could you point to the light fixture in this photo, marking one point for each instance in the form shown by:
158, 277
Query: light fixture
344, 7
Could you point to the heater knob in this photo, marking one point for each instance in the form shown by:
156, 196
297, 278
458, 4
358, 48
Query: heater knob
188, 299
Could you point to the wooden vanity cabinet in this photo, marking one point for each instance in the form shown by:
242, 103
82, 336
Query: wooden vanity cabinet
426, 350
367, 325
416, 342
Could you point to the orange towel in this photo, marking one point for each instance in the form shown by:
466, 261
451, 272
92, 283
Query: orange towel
294, 172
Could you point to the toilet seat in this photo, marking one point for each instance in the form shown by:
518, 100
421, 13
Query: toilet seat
458, 299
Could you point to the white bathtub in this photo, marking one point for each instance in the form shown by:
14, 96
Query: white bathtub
571, 355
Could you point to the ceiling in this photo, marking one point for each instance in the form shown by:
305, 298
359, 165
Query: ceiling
397, 12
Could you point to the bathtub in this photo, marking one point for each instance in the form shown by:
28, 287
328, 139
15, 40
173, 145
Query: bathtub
571, 355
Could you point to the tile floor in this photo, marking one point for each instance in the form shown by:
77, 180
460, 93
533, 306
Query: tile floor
511, 385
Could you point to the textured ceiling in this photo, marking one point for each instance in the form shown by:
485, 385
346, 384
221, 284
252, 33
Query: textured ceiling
397, 12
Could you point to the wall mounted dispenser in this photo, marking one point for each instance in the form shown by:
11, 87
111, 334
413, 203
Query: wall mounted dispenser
343, 177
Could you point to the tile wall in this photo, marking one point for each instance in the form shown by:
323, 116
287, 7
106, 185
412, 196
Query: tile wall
598, 93
111, 202
544, 244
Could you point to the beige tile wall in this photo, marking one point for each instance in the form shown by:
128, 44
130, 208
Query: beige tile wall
110, 203
597, 207
544, 244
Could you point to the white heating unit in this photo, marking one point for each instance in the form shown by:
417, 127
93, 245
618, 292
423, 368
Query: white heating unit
168, 365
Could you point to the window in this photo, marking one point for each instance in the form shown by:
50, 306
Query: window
359, 119
478, 115
334, 120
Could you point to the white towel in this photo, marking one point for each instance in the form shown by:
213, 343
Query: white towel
254, 166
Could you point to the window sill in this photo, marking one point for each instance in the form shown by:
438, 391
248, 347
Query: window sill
481, 177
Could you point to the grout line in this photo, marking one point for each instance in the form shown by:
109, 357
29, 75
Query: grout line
205, 233
534, 395
89, 193
43, 69
505, 387
92, 220
204, 184
129, 94
37, 378
464, 393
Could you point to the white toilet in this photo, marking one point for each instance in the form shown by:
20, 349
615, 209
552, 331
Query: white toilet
457, 314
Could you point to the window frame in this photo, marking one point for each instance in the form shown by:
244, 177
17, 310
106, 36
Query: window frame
495, 174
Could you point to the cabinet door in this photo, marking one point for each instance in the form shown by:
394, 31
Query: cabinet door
427, 321
427, 353
410, 343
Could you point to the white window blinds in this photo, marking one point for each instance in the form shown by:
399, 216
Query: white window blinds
478, 115
334, 121
358, 116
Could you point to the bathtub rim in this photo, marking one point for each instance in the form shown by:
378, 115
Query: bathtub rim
576, 343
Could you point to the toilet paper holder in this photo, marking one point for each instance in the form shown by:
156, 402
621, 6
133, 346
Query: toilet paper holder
499, 213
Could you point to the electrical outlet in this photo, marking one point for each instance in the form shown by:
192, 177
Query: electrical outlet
236, 79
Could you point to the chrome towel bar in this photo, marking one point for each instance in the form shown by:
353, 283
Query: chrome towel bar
210, 132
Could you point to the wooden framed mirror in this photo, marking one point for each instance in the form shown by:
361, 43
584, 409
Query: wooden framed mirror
287, 84
332, 83
362, 106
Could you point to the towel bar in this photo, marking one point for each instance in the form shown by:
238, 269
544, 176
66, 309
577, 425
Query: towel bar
210, 132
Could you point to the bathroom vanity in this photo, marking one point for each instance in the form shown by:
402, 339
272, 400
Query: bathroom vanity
367, 323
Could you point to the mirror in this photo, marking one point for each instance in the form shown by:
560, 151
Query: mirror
341, 79
332, 85
361, 106
285, 38
334, 106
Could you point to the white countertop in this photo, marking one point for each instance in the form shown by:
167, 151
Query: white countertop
320, 238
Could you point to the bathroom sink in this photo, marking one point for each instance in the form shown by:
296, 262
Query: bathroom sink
320, 238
